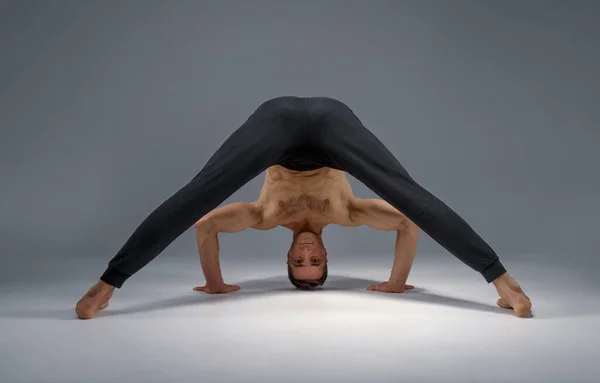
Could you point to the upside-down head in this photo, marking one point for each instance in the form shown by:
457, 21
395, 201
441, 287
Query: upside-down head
307, 261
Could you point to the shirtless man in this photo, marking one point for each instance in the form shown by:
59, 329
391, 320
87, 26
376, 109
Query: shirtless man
306, 145
305, 203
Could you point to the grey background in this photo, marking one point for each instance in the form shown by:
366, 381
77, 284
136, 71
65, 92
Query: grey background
108, 107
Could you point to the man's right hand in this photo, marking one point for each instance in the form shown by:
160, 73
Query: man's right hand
221, 288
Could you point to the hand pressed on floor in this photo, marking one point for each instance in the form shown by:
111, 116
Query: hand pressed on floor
222, 288
387, 287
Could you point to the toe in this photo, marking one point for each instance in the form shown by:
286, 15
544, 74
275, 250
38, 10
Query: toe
503, 303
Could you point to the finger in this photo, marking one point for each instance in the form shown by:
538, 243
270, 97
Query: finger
200, 288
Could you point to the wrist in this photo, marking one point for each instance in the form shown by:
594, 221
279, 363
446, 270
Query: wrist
397, 282
214, 280
398, 278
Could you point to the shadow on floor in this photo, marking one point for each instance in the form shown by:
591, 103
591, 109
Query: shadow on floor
267, 287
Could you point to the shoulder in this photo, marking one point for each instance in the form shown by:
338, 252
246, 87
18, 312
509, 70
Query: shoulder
256, 208
378, 214
267, 215
235, 211
356, 208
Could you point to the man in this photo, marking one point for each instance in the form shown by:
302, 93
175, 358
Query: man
305, 144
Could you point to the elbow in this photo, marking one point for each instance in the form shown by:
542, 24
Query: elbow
204, 228
409, 228
413, 228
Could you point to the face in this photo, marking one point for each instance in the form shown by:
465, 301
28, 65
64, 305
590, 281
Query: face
307, 256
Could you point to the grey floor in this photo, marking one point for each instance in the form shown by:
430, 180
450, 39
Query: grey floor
158, 330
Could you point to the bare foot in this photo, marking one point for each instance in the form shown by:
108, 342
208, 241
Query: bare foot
511, 295
95, 299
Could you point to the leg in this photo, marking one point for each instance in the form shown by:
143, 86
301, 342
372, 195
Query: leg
259, 143
352, 147
256, 145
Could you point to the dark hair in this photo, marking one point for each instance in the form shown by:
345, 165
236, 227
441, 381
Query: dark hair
307, 284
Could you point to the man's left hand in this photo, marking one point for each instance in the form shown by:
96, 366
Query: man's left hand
387, 287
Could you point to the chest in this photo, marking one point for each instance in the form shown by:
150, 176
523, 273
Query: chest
319, 209
320, 197
303, 202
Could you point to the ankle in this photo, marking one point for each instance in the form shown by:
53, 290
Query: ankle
103, 286
502, 280
99, 289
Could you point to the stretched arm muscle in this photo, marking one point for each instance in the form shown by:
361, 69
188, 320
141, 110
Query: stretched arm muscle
231, 218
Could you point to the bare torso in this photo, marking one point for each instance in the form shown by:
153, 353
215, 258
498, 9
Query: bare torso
299, 199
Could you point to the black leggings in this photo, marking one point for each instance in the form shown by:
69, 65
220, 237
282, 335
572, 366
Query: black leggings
301, 134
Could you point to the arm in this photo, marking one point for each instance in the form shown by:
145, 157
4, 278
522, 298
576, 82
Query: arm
380, 215
231, 218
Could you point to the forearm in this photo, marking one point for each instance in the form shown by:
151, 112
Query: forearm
404, 255
208, 249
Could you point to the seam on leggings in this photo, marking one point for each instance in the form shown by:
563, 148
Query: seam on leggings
305, 121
